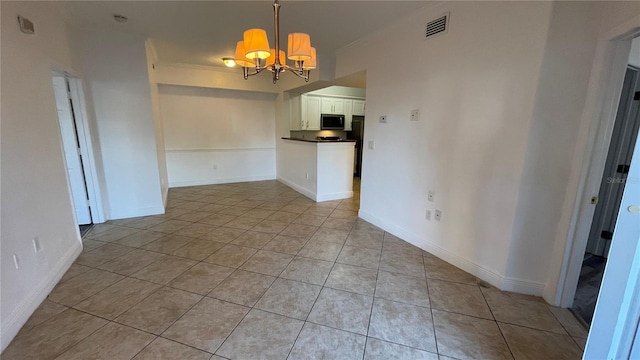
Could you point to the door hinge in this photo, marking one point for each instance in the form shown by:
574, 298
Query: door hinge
594, 200
79, 152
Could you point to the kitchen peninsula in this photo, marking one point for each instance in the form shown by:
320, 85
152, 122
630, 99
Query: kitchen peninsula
319, 169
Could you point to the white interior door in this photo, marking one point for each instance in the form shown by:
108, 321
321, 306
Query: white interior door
617, 311
71, 151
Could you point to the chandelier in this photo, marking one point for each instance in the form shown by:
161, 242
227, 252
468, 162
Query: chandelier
254, 54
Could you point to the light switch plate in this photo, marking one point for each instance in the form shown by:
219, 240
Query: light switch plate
415, 115
372, 144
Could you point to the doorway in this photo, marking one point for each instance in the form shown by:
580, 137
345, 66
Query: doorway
357, 134
76, 144
609, 198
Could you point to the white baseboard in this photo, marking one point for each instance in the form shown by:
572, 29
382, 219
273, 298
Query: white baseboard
315, 196
306, 192
230, 180
523, 286
334, 196
14, 322
152, 210
491, 276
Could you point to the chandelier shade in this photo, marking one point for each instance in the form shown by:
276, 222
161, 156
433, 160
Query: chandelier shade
311, 63
240, 57
299, 47
256, 44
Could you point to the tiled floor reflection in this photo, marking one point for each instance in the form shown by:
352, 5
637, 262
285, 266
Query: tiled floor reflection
255, 270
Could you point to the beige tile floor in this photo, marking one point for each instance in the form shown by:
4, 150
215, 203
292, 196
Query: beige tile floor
257, 271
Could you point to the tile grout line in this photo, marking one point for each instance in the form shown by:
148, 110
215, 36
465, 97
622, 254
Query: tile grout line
317, 297
314, 301
373, 302
81, 340
433, 320
240, 321
253, 306
566, 330
504, 338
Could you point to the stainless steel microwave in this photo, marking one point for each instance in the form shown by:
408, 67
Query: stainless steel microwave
331, 122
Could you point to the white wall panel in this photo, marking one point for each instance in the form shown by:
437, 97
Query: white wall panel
217, 135
196, 167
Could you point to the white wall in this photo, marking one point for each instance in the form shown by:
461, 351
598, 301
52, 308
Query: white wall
340, 91
152, 60
197, 168
114, 67
335, 171
501, 137
213, 77
298, 168
552, 137
36, 201
218, 135
320, 171
475, 87
588, 154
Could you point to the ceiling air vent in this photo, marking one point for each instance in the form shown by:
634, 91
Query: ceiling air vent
437, 26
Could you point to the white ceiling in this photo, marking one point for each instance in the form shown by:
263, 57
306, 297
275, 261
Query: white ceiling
202, 32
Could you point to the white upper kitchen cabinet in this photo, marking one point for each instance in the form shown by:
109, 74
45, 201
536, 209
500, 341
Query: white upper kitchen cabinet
305, 110
332, 105
348, 111
311, 112
295, 112
358, 107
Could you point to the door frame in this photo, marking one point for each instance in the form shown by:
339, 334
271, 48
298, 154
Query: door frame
596, 244
605, 88
86, 147
79, 104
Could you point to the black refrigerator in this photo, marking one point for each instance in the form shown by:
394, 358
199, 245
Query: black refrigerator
357, 134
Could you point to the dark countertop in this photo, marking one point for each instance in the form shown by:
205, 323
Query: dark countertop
318, 141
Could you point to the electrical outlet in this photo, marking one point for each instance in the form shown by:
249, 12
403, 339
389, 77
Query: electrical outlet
36, 244
372, 144
415, 115
427, 215
383, 118
431, 195
438, 216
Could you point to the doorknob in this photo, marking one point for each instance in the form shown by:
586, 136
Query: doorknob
634, 209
